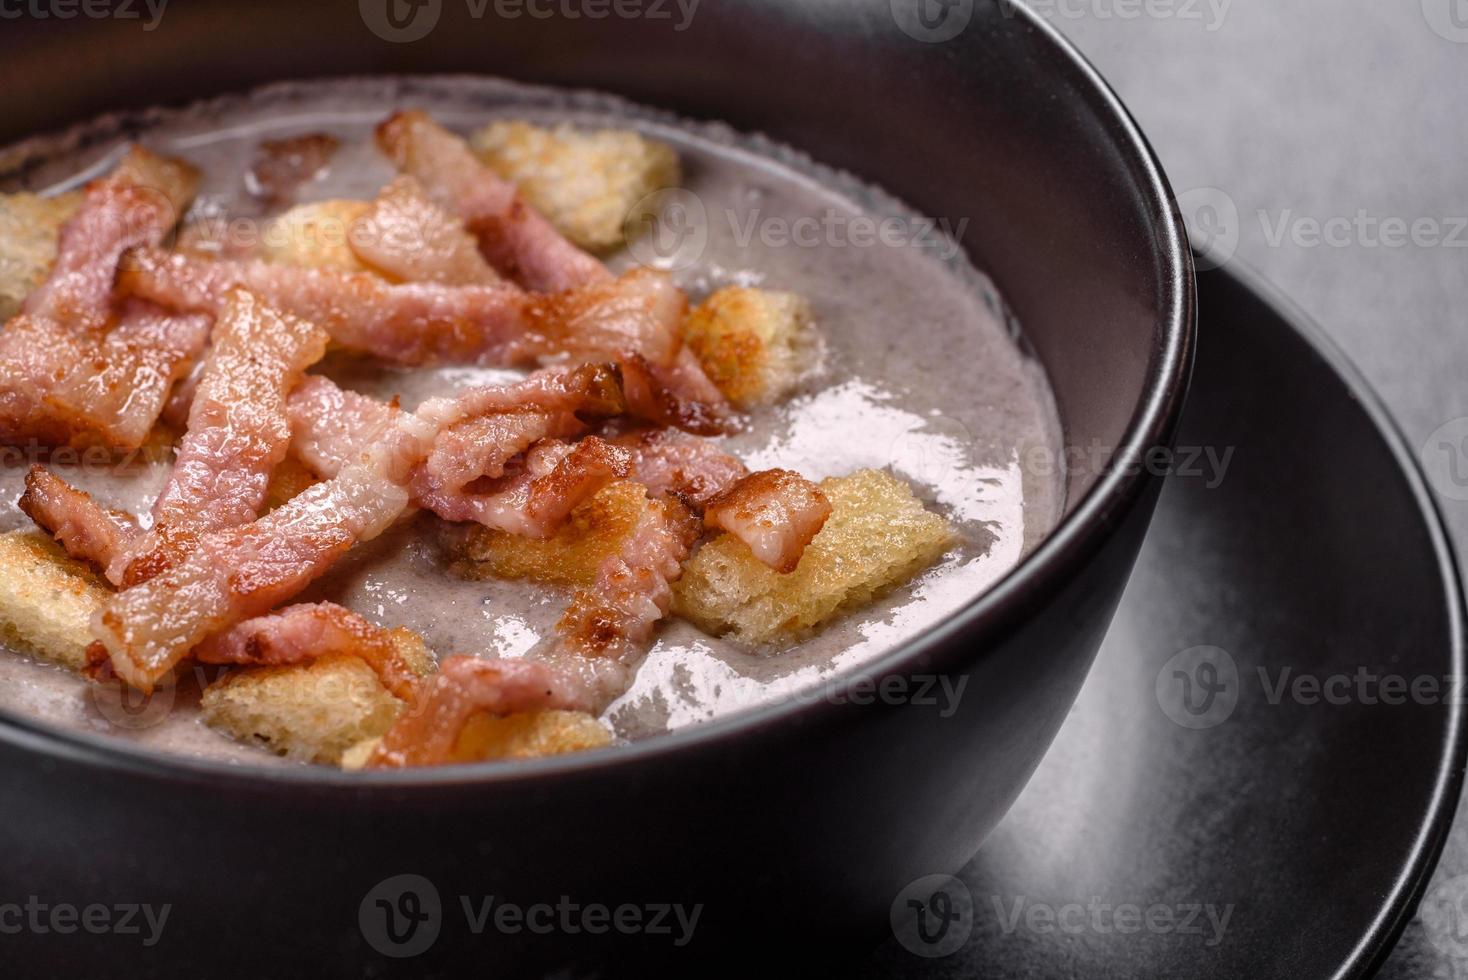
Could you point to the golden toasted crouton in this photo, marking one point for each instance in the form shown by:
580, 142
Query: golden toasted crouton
528, 735
47, 598
312, 711
315, 235
29, 225
585, 183
877, 536
596, 528
755, 344
520, 736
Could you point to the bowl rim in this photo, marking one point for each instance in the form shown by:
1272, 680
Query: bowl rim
1081, 533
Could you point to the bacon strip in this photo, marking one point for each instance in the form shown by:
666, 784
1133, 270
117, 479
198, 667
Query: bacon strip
407, 323
606, 630
775, 512
513, 237
496, 455
635, 320
426, 733
241, 572
238, 432
85, 528
71, 372
309, 631
691, 469
409, 238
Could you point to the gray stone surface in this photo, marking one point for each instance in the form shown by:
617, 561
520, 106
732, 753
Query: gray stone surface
1343, 111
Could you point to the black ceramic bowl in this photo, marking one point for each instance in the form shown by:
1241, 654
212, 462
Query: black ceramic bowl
792, 827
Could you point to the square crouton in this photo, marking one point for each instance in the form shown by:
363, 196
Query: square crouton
527, 735
315, 236
596, 529
878, 536
585, 183
755, 344
29, 225
312, 712
47, 598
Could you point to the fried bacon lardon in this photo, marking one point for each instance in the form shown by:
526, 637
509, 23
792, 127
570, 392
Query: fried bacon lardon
403, 323
692, 469
427, 731
513, 237
308, 631
408, 238
633, 320
85, 528
606, 630
775, 512
496, 455
238, 432
237, 573
76, 370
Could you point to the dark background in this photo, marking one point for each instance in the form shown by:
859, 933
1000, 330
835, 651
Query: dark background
1322, 108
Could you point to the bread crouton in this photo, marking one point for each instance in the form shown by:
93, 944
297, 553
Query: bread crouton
878, 535
47, 598
755, 344
316, 236
520, 736
312, 711
596, 528
29, 225
585, 183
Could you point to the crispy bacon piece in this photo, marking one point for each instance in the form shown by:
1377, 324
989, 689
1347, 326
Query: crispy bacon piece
238, 432
70, 370
496, 455
775, 512
282, 166
513, 237
538, 493
406, 323
606, 630
307, 631
692, 469
237, 573
426, 733
409, 238
635, 321
331, 427
85, 528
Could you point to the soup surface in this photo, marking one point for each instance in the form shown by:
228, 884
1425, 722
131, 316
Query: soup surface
920, 373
